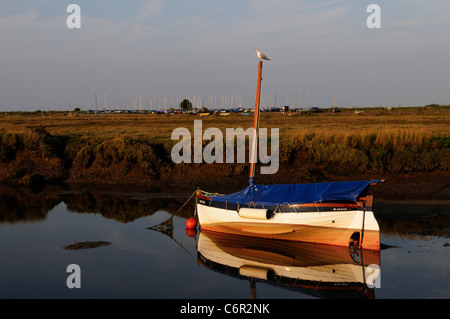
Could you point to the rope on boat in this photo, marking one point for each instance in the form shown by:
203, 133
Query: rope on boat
186, 203
166, 227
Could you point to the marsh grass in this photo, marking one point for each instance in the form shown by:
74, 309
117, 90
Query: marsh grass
396, 150
406, 141
109, 151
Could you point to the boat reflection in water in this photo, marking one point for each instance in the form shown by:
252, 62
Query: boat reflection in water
315, 269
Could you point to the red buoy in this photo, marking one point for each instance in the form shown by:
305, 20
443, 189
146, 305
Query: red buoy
191, 223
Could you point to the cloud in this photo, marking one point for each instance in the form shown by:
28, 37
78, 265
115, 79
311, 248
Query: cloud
290, 8
25, 20
417, 13
151, 8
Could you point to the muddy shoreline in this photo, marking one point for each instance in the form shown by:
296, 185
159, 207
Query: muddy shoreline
31, 169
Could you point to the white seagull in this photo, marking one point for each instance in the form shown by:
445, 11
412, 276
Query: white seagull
261, 55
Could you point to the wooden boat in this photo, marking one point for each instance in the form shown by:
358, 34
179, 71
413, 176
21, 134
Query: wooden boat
337, 213
321, 270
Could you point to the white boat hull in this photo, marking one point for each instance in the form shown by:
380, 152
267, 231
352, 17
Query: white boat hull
326, 227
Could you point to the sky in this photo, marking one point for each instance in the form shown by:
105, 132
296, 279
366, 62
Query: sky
153, 53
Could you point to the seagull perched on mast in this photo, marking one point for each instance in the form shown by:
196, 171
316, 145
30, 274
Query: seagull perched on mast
261, 55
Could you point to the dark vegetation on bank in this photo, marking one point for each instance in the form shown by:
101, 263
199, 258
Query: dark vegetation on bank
36, 150
37, 156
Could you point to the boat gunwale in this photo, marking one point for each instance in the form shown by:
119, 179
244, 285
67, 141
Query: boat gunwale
285, 208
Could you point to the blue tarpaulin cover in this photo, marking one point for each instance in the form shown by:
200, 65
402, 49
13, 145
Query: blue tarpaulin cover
289, 194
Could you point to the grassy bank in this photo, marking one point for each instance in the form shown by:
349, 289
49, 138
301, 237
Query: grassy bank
135, 148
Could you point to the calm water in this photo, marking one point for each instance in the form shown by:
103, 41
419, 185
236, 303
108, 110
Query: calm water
165, 262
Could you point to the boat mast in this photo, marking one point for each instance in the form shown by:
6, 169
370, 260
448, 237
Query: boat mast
253, 156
